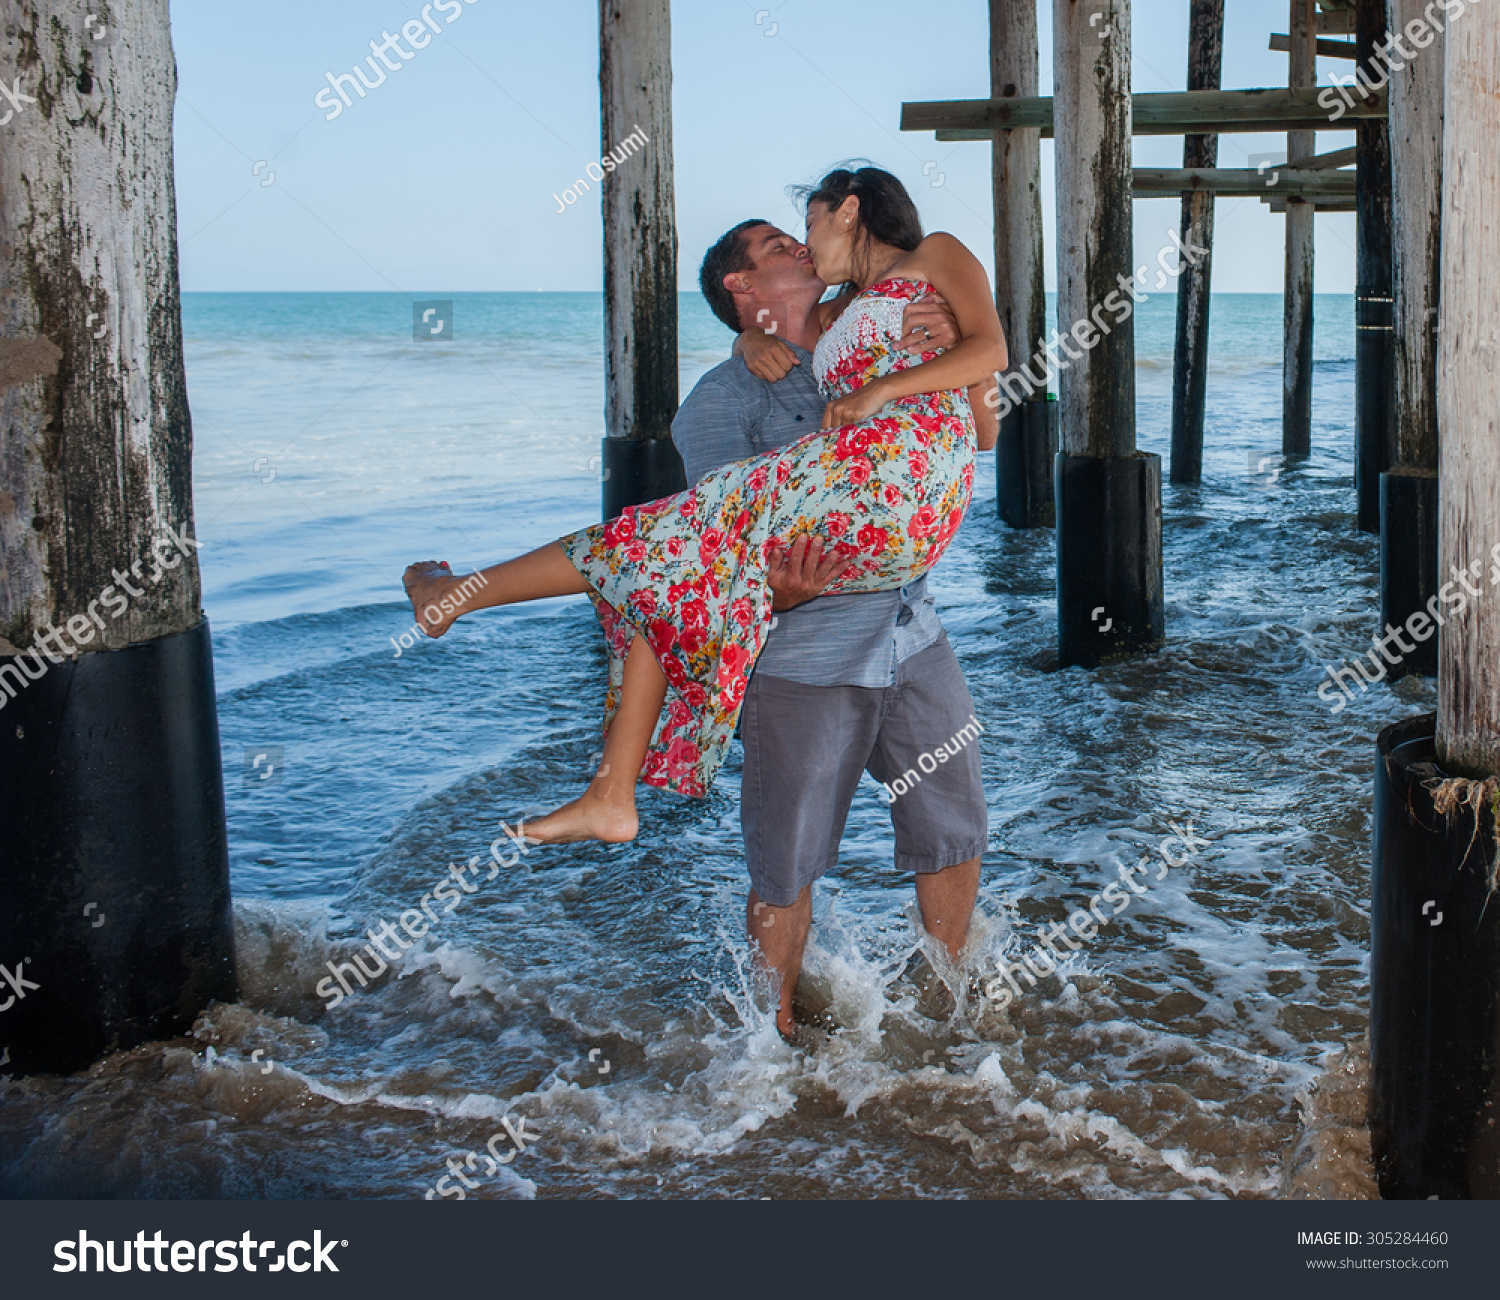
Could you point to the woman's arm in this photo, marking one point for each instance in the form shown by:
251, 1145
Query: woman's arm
986, 413
980, 353
766, 357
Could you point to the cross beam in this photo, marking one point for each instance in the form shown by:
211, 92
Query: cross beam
1182, 112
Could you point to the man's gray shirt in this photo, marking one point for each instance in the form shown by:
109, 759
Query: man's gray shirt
834, 640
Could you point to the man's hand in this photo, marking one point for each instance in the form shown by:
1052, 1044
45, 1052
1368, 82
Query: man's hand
803, 572
928, 324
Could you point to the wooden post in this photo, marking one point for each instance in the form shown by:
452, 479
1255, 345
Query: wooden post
1468, 724
1296, 380
640, 252
1409, 491
1434, 923
115, 887
1190, 356
1374, 341
1023, 457
1108, 497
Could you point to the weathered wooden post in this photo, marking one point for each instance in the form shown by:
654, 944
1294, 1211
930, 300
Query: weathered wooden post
1028, 426
1435, 920
114, 880
1109, 580
1374, 341
640, 254
1297, 372
1190, 356
1409, 490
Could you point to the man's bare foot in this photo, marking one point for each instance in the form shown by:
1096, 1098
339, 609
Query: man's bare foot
427, 583
588, 817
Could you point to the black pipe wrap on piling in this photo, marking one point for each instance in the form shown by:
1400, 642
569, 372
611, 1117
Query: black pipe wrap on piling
1024, 454
1374, 403
1434, 981
1409, 563
1109, 568
638, 470
114, 864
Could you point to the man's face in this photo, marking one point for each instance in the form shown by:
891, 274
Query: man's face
783, 271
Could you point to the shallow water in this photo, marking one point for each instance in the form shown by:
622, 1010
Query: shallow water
603, 994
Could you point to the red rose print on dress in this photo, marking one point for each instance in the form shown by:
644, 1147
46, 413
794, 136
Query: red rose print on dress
619, 531
924, 523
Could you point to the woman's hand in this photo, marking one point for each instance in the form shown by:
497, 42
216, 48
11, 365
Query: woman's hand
766, 357
928, 325
858, 407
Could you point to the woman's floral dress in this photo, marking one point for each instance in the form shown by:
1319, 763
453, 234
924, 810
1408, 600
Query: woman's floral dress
689, 572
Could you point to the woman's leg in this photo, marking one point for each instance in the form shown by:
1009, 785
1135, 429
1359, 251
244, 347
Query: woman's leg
438, 596
606, 810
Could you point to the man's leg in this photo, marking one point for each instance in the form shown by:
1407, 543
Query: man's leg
805, 752
946, 899
780, 934
940, 816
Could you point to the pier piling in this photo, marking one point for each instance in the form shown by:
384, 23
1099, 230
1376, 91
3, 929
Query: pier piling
1190, 355
115, 917
1109, 577
1409, 490
1435, 926
1296, 381
640, 255
1028, 429
1374, 339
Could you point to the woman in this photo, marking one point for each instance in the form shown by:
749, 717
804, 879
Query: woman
680, 584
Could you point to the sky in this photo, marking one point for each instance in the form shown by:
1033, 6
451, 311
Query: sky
443, 178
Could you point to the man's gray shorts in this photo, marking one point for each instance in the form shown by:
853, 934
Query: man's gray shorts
807, 746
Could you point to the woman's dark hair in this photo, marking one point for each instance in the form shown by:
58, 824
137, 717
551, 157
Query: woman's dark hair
885, 208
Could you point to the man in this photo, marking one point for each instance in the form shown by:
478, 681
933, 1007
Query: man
845, 684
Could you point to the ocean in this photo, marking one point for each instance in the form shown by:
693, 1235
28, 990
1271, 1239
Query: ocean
599, 999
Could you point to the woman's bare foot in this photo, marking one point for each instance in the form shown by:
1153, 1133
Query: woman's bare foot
592, 816
427, 583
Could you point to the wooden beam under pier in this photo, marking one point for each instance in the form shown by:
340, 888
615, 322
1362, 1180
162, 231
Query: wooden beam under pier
1242, 182
1190, 112
1281, 43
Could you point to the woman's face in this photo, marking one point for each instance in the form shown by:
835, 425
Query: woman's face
830, 238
